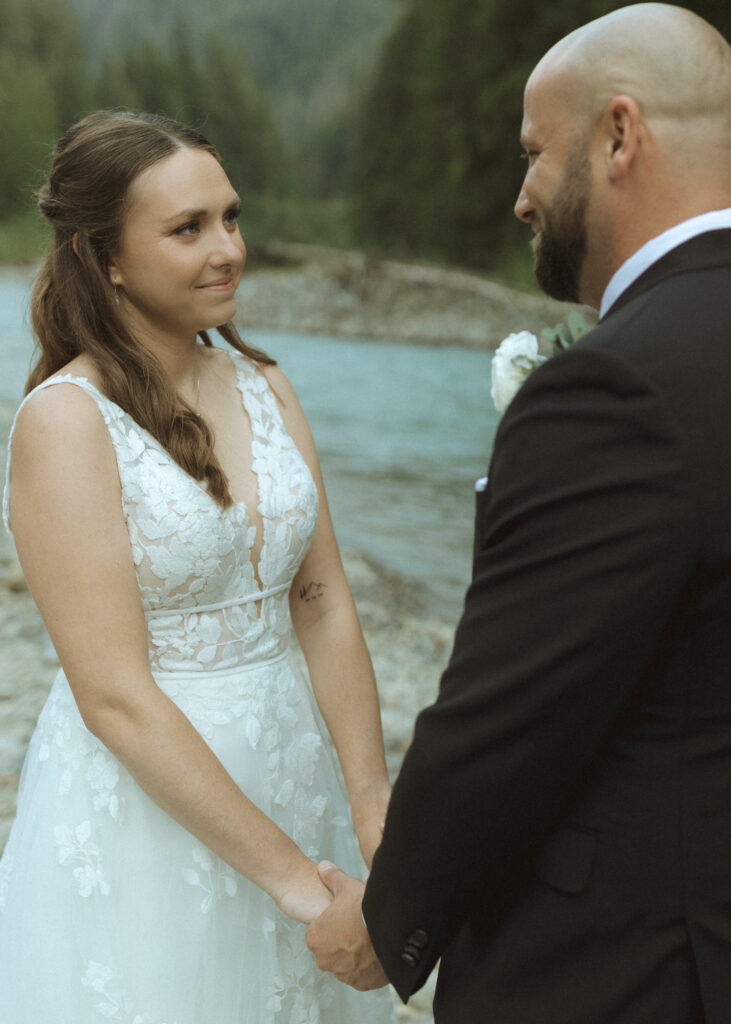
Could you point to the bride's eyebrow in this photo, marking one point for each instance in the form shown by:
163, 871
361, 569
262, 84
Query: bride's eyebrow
185, 215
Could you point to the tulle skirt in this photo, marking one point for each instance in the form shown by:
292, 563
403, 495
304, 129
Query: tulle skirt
111, 911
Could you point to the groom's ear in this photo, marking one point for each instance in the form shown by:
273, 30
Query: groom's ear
622, 129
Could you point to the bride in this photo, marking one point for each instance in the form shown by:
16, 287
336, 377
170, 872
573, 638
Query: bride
168, 511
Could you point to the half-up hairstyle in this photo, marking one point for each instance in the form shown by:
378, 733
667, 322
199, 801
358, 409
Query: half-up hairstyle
73, 305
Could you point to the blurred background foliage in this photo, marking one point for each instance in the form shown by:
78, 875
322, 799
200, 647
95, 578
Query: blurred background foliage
388, 125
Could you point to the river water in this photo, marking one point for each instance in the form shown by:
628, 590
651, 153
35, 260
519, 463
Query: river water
402, 432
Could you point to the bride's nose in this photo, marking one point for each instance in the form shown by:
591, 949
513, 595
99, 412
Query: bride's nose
228, 249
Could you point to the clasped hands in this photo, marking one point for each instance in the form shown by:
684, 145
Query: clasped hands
339, 938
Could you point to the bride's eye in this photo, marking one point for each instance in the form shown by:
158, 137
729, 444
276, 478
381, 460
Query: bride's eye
188, 229
230, 218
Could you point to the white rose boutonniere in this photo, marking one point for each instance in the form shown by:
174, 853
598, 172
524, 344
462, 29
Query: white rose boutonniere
517, 355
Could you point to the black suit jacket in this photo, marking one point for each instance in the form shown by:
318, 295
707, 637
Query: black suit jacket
560, 832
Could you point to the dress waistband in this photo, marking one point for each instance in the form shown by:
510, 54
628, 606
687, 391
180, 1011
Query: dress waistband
195, 609
191, 673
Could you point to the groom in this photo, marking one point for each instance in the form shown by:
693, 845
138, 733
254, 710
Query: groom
560, 832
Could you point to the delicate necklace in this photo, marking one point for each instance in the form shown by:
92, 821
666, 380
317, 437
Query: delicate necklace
197, 384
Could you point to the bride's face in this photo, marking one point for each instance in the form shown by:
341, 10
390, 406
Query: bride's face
181, 253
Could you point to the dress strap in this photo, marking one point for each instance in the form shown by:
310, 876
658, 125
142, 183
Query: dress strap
259, 400
66, 378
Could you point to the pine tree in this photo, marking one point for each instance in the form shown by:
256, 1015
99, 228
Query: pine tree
43, 88
436, 169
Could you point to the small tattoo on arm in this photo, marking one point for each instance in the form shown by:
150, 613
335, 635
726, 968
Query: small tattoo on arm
312, 591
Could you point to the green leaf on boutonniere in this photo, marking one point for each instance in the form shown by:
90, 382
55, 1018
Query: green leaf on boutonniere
563, 336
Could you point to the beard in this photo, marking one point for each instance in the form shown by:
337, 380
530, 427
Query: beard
560, 249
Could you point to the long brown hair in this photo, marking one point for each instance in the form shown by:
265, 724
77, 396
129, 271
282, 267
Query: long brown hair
73, 304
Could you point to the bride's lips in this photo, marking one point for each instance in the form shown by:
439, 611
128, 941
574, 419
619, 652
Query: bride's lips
225, 284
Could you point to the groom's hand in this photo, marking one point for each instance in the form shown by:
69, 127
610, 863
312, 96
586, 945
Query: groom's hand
338, 937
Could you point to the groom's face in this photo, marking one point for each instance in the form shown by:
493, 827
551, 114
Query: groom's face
555, 194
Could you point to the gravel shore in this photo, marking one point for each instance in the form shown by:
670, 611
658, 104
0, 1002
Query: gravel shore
350, 294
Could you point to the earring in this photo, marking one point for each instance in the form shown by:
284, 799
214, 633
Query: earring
116, 294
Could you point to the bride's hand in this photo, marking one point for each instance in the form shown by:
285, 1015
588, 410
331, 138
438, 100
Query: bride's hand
302, 895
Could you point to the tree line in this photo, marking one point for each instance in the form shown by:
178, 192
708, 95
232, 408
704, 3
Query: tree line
437, 167
418, 158
313, 57
47, 82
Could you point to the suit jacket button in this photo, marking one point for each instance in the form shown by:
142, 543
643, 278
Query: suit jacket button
420, 939
410, 958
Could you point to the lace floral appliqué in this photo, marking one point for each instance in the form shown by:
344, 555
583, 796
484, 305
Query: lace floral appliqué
75, 846
212, 876
99, 981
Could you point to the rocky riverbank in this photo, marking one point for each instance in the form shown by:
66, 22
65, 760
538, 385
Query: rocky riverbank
351, 294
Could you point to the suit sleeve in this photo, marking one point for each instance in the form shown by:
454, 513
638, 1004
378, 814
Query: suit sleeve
584, 544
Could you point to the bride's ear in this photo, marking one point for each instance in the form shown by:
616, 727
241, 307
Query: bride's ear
75, 244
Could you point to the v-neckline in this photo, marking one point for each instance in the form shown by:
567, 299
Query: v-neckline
236, 505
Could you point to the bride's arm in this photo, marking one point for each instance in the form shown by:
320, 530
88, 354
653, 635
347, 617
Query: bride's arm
326, 622
74, 548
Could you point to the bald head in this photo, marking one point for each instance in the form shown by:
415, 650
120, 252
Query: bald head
673, 63
627, 129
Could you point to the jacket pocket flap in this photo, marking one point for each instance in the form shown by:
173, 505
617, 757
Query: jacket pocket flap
567, 860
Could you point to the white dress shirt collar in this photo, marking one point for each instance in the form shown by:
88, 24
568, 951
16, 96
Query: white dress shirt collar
657, 247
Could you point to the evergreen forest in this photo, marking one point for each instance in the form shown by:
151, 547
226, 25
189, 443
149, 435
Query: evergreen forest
388, 125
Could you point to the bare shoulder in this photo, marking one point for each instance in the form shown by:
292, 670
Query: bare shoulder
281, 386
60, 426
63, 409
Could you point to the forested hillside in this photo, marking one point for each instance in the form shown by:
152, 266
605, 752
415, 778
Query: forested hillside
313, 56
437, 169
48, 79
390, 125
277, 85
41, 90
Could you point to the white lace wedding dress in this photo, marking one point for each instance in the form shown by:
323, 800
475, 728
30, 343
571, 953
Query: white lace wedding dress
109, 910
